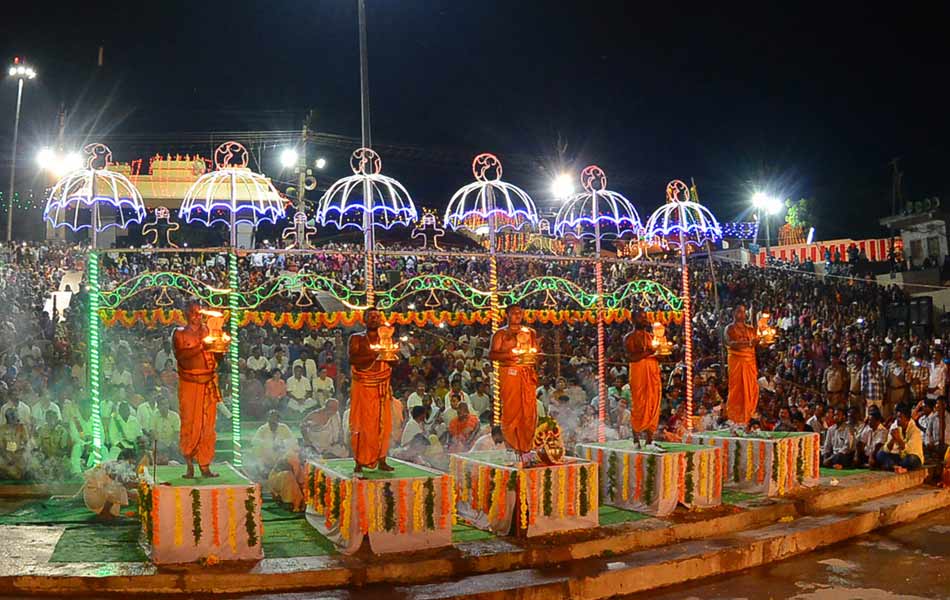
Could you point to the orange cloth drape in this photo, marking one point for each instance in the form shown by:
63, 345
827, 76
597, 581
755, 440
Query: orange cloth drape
371, 414
519, 406
743, 381
646, 387
198, 398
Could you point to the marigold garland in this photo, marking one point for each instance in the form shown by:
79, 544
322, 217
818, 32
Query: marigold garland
215, 531
179, 517
584, 503
625, 478
571, 492
687, 473
547, 492
760, 471
561, 490
155, 523
779, 451
748, 461
523, 500
417, 505
612, 476
534, 495
232, 519
389, 514
402, 505
703, 474
445, 507
346, 509
371, 506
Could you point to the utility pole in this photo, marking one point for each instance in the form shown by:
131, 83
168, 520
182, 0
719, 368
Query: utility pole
51, 232
897, 200
302, 173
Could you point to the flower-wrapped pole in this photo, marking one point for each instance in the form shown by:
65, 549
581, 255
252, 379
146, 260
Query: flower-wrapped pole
598, 213
682, 222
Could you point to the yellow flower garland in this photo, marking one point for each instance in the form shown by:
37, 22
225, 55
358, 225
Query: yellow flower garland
748, 461
701, 489
179, 525
371, 506
346, 506
593, 491
781, 467
232, 520
561, 489
523, 498
624, 477
417, 505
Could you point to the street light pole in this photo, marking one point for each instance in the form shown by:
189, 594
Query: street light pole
16, 132
368, 241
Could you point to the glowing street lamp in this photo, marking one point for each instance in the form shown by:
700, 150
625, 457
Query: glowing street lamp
562, 187
58, 163
321, 163
21, 71
288, 158
769, 205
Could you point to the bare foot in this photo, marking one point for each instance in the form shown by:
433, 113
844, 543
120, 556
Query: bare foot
838, 467
189, 473
384, 467
207, 472
358, 469
900, 470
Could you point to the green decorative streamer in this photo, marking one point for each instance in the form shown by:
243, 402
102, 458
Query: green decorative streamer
196, 514
546, 500
512, 483
775, 461
689, 484
337, 487
234, 356
145, 510
250, 503
612, 473
94, 364
389, 514
800, 461
429, 487
650, 480
491, 489
585, 501
737, 461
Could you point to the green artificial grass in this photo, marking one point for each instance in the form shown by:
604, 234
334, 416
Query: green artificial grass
105, 542
629, 445
612, 515
462, 532
760, 435
344, 466
825, 472
227, 475
735, 497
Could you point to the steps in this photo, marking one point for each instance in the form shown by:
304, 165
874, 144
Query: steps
677, 563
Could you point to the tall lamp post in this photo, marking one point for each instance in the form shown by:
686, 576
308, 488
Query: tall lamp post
767, 205
22, 72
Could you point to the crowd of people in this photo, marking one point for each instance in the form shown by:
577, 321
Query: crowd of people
835, 367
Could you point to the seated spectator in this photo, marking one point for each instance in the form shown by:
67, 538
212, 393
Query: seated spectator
299, 392
838, 449
165, 430
462, 429
42, 408
124, 431
52, 448
271, 441
323, 383
22, 409
106, 487
904, 449
416, 425
495, 440
15, 451
275, 391
322, 430
870, 440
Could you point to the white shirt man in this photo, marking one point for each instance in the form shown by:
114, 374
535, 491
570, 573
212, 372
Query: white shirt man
938, 379
258, 364
323, 383
166, 428
41, 409
411, 430
22, 410
280, 361
298, 386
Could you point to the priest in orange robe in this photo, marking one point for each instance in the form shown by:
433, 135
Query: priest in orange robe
518, 381
198, 393
741, 340
646, 388
371, 397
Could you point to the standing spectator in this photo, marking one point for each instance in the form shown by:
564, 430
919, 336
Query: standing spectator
872, 383
836, 382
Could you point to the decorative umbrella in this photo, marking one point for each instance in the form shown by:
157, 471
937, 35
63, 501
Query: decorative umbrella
112, 201
489, 205
232, 194
681, 222
367, 199
598, 213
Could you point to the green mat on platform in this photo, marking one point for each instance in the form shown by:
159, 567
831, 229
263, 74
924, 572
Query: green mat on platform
761, 435
734, 497
628, 445
55, 511
462, 532
842, 472
227, 475
344, 466
112, 542
611, 515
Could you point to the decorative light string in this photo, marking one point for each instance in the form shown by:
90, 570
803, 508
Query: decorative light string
93, 370
495, 325
688, 334
601, 355
234, 353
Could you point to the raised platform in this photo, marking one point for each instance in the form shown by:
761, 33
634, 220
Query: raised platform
635, 555
495, 492
189, 520
410, 508
654, 482
769, 462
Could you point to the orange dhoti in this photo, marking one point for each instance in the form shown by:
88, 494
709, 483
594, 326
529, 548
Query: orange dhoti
519, 405
646, 390
371, 414
743, 385
198, 398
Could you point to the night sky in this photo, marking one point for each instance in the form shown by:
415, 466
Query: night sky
807, 101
